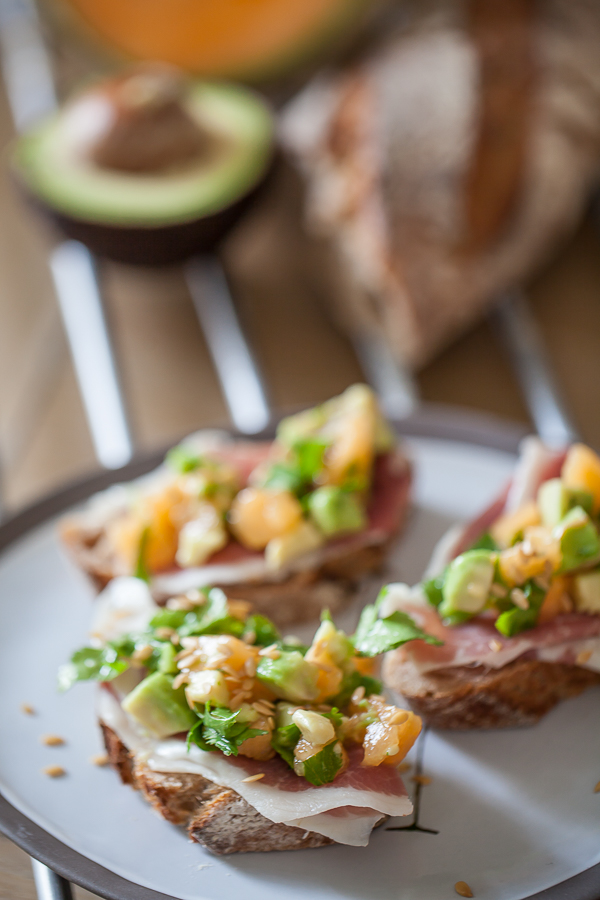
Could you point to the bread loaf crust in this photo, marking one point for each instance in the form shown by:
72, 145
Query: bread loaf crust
216, 817
465, 697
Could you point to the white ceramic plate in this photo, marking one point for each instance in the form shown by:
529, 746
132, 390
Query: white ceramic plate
515, 811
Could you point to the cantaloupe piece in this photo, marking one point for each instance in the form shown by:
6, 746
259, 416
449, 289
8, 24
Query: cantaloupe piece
581, 471
245, 39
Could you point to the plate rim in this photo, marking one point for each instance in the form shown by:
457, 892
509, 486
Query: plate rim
438, 422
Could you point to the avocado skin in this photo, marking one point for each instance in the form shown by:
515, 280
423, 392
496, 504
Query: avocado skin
156, 246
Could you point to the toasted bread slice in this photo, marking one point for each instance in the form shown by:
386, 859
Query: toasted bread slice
216, 817
465, 697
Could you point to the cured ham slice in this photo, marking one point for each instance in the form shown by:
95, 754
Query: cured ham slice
345, 810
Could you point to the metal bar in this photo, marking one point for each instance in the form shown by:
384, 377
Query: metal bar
396, 387
48, 884
81, 306
238, 374
525, 347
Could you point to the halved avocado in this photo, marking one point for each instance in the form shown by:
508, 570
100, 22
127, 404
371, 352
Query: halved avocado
151, 217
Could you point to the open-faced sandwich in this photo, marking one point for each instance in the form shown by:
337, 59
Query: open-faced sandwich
289, 525
515, 598
252, 741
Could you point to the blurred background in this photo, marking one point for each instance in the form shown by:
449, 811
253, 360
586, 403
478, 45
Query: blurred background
429, 223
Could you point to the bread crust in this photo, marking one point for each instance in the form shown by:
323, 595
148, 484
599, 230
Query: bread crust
462, 698
299, 597
216, 817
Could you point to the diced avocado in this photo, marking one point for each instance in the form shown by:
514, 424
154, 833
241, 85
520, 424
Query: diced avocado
302, 425
290, 677
586, 588
555, 500
467, 583
159, 708
579, 542
335, 511
284, 714
166, 660
303, 539
329, 641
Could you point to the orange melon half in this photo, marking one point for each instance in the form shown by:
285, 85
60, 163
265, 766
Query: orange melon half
247, 39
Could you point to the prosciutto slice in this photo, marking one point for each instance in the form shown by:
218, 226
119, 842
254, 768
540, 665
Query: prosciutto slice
345, 810
572, 638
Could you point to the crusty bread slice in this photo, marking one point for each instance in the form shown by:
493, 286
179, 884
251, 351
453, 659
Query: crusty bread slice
216, 817
299, 597
519, 693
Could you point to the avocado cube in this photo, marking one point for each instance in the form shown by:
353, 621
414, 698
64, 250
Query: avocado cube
555, 500
579, 542
335, 511
467, 584
586, 588
158, 708
290, 677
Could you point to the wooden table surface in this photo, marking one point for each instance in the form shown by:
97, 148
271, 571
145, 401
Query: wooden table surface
168, 378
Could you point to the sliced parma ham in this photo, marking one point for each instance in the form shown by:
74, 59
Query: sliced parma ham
345, 810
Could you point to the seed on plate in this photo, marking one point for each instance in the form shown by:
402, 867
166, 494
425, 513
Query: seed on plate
54, 771
421, 779
251, 778
597, 788
52, 740
495, 645
27, 709
462, 888
100, 759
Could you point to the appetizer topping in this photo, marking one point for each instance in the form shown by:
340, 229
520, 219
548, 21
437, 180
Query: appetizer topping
52, 740
54, 771
99, 759
233, 684
538, 561
463, 889
313, 485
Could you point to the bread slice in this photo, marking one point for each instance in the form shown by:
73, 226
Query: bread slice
216, 817
298, 597
466, 697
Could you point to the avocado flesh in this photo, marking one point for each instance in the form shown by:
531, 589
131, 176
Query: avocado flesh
467, 583
579, 541
53, 168
158, 708
290, 677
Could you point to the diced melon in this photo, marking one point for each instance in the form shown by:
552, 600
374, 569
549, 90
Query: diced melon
581, 471
586, 588
508, 527
556, 602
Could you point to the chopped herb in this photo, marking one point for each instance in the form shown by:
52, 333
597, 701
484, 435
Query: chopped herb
515, 620
324, 765
264, 631
141, 567
284, 740
351, 682
183, 459
221, 729
433, 589
168, 618
374, 636
212, 618
91, 664
485, 542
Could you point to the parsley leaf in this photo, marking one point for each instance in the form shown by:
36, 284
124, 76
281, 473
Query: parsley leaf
515, 620
324, 765
349, 684
374, 636
221, 729
212, 618
141, 567
183, 459
264, 631
284, 740
91, 664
